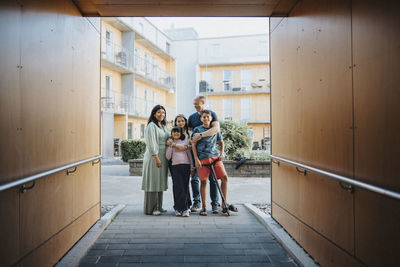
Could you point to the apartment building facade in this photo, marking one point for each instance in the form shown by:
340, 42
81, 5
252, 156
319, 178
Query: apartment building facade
232, 72
137, 72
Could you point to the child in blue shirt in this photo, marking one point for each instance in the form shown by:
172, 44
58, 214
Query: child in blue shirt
206, 153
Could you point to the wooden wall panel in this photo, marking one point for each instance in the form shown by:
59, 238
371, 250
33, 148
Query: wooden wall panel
311, 101
377, 229
86, 188
45, 210
9, 224
10, 108
312, 88
322, 250
376, 39
61, 242
60, 87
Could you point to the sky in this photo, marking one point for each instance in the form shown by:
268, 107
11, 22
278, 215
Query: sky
214, 27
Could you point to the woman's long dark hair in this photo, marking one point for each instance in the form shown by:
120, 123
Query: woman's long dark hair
153, 112
185, 128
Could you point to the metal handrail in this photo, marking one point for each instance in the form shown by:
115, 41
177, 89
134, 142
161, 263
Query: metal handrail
46, 173
340, 178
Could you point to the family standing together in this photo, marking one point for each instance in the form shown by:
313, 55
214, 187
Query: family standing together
187, 152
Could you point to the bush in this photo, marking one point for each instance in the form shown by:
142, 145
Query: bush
237, 139
259, 155
132, 149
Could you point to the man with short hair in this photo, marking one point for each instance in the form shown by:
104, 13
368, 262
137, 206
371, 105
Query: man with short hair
199, 104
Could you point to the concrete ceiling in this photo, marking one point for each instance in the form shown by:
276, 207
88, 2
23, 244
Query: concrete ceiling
185, 8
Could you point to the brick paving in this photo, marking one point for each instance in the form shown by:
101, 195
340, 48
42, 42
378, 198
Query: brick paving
135, 239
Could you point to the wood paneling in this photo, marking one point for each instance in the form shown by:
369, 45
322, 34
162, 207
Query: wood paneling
60, 87
9, 224
60, 243
322, 250
377, 229
317, 202
10, 95
376, 40
312, 88
50, 116
311, 100
185, 8
45, 210
86, 188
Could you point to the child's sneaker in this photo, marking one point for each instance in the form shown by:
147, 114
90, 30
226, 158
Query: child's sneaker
214, 208
177, 213
186, 213
196, 206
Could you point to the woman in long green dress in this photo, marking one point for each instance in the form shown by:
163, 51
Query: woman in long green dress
155, 164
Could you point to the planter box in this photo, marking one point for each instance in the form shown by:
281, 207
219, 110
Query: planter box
251, 168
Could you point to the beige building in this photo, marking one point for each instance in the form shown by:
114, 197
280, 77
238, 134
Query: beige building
137, 73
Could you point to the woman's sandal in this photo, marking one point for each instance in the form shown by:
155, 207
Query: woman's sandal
203, 212
232, 208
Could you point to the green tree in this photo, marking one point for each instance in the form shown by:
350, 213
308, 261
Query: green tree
237, 139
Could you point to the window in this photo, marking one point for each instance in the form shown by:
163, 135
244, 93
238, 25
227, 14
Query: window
130, 130
142, 126
215, 50
137, 102
227, 80
207, 77
109, 46
245, 79
154, 98
227, 108
154, 69
245, 104
146, 104
146, 63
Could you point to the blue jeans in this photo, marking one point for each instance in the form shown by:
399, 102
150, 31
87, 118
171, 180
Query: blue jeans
195, 182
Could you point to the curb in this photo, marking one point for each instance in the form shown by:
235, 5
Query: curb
79, 250
298, 254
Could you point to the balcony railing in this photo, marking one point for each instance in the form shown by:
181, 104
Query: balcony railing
117, 55
152, 72
134, 106
222, 86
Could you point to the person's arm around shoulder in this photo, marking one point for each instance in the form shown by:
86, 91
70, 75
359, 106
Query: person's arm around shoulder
210, 132
194, 149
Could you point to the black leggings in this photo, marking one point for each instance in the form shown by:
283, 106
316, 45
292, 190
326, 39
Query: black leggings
180, 179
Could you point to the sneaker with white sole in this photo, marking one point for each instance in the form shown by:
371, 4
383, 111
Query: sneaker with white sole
177, 213
196, 206
186, 213
156, 213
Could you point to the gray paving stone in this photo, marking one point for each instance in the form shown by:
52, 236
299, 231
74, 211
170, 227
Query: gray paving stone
202, 259
134, 239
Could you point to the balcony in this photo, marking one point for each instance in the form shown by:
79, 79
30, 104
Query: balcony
116, 57
223, 87
119, 103
147, 72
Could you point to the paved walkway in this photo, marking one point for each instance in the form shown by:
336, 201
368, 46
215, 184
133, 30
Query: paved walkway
135, 239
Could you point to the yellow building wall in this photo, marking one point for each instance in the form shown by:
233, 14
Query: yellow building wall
162, 64
260, 105
161, 93
116, 34
136, 126
120, 126
260, 130
258, 71
116, 79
